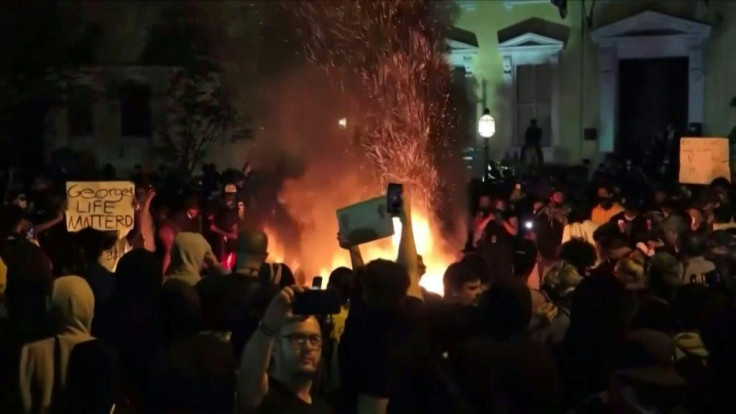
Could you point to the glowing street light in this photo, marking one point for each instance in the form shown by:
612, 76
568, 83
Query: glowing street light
486, 129
486, 125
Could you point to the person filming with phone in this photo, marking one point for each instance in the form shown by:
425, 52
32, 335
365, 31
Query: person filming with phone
281, 359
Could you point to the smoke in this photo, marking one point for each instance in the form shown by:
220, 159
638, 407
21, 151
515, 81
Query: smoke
380, 66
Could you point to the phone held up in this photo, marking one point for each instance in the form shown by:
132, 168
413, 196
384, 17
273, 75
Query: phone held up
316, 301
394, 198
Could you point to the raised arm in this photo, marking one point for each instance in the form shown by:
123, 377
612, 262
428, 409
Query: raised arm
253, 377
356, 258
408, 252
148, 230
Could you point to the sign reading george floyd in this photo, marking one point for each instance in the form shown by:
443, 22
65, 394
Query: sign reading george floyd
102, 205
702, 160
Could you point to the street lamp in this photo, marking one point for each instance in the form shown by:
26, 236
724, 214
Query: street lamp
486, 129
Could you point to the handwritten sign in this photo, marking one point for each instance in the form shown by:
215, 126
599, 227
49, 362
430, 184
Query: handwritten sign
102, 205
702, 160
365, 222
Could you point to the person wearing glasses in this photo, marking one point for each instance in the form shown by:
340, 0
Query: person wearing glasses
280, 361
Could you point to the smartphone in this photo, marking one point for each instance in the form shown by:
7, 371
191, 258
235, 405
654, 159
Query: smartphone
317, 283
317, 302
394, 198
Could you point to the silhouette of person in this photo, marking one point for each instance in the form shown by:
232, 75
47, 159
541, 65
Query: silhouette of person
533, 141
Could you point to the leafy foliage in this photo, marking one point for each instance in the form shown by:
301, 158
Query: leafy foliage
199, 113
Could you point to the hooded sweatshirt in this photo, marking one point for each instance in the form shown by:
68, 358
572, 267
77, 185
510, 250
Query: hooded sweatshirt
73, 303
187, 257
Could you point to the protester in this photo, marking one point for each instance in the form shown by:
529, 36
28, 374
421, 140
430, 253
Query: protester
544, 310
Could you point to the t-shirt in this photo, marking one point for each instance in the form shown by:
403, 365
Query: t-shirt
184, 223
280, 400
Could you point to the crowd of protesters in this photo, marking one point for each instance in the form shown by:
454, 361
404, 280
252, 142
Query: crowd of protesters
577, 290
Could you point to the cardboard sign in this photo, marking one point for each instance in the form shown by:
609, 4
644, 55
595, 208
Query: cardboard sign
702, 160
102, 205
365, 222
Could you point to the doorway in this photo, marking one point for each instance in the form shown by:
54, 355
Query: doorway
652, 94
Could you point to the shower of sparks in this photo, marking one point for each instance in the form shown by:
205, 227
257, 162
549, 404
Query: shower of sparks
392, 51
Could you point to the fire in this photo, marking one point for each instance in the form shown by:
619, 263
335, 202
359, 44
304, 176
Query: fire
428, 242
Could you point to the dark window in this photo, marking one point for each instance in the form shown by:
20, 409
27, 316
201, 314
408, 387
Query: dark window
135, 110
80, 111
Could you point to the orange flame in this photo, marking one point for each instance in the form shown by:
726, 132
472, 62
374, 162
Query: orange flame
436, 257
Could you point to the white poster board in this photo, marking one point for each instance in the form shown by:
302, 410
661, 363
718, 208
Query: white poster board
102, 205
702, 160
365, 222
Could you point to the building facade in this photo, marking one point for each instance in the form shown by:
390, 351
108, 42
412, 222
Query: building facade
518, 58
594, 80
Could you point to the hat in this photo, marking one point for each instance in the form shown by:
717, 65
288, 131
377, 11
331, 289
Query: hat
230, 189
252, 241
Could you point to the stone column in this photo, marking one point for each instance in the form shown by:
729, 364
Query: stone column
696, 81
555, 99
608, 96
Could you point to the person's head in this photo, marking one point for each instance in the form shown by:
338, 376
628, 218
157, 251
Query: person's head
500, 204
533, 122
297, 351
478, 265
252, 251
485, 202
192, 207
188, 254
578, 253
693, 244
561, 279
605, 196
461, 284
696, 218
557, 197
385, 284
93, 242
630, 274
660, 195
13, 221
138, 275
342, 280
663, 275
524, 259
613, 247
72, 305
505, 310
723, 214
673, 228
18, 198
229, 193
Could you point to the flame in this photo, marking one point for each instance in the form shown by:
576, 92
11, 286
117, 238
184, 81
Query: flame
436, 257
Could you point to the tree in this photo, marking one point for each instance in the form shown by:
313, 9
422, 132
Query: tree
199, 113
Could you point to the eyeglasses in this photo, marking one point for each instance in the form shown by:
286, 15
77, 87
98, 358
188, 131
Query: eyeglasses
301, 339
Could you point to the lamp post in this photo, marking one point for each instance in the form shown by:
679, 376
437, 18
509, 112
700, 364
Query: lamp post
486, 129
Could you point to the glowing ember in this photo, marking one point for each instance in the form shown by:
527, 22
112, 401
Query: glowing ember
388, 58
436, 256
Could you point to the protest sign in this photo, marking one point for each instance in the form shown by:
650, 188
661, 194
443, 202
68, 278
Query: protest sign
102, 205
702, 160
365, 222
